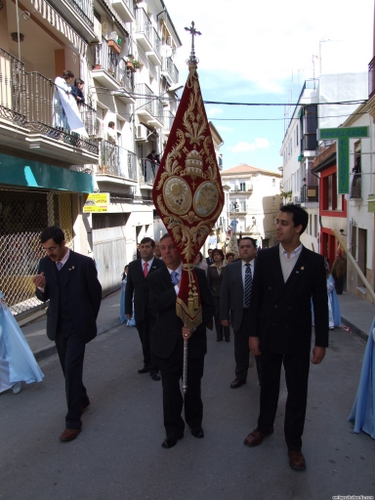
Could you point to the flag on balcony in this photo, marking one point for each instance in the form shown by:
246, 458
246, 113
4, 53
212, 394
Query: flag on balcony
187, 192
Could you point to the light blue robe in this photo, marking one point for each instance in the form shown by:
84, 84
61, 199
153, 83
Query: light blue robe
123, 318
363, 411
17, 362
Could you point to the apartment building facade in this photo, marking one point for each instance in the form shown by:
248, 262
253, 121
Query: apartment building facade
123, 50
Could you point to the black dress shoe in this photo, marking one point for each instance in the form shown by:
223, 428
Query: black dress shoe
155, 376
143, 370
237, 382
170, 442
198, 432
227, 339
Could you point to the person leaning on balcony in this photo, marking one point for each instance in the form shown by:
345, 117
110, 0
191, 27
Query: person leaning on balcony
77, 91
61, 103
111, 133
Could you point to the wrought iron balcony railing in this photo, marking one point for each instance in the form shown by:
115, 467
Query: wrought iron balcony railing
149, 101
117, 161
169, 66
27, 99
371, 78
148, 171
144, 26
113, 64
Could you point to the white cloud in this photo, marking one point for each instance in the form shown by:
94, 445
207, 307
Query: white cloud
211, 112
265, 42
243, 147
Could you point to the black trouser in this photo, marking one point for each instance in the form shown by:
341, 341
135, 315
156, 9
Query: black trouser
173, 400
71, 351
241, 348
296, 368
220, 329
144, 329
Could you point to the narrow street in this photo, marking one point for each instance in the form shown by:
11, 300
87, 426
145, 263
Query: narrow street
119, 453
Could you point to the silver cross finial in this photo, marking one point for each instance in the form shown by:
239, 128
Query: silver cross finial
192, 59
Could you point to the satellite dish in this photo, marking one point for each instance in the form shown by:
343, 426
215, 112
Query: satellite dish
167, 50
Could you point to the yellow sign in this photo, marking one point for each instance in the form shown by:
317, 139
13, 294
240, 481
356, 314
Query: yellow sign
96, 202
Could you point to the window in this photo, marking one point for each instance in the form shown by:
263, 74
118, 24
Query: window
242, 186
243, 206
331, 200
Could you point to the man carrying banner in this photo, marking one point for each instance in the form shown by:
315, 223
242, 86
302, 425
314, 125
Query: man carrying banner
189, 198
167, 339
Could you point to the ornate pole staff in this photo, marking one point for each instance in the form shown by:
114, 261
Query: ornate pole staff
188, 194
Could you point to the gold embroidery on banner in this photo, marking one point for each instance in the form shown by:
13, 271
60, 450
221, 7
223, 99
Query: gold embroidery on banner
191, 192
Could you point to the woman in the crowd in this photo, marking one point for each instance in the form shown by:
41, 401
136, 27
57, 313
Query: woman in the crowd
215, 277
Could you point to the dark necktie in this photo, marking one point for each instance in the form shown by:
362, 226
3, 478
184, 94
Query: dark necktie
248, 284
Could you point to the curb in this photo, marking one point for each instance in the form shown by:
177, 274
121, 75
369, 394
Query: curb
50, 350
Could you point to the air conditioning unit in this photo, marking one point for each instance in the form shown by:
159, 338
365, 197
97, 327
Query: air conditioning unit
100, 129
141, 133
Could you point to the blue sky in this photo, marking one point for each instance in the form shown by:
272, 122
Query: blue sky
263, 53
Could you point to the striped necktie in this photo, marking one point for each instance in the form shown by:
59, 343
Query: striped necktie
248, 284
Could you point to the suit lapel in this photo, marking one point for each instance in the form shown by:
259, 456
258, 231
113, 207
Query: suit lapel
298, 270
278, 273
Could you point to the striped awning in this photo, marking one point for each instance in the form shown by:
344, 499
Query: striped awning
55, 20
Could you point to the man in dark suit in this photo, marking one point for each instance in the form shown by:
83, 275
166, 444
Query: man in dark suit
288, 277
209, 259
167, 339
137, 283
233, 299
69, 281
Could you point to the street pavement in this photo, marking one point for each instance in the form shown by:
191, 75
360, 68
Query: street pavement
119, 453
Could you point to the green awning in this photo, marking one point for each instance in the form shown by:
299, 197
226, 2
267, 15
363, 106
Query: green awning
16, 171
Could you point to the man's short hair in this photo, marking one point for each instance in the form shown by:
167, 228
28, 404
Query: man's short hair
148, 240
253, 241
54, 233
299, 215
111, 124
166, 235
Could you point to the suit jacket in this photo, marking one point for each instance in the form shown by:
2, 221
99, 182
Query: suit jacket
137, 283
282, 311
231, 296
214, 280
168, 325
81, 294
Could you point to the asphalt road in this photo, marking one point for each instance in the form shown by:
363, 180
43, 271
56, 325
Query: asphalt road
119, 453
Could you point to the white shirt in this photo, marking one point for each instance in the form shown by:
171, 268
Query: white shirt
288, 263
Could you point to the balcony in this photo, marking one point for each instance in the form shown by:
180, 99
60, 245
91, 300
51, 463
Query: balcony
116, 161
148, 172
150, 109
125, 9
168, 121
26, 110
147, 37
79, 14
169, 70
111, 73
371, 78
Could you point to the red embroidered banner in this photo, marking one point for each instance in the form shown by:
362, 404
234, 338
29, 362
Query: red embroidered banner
187, 193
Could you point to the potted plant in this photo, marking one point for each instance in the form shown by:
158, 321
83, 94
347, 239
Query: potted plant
114, 46
132, 63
